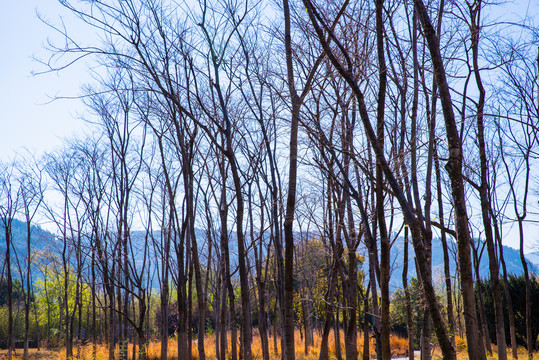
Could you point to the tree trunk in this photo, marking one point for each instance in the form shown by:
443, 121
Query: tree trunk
454, 167
507, 293
324, 346
27, 297
447, 271
475, 12
289, 342
366, 338
529, 338
337, 331
7, 228
410, 217
385, 245
409, 318
482, 320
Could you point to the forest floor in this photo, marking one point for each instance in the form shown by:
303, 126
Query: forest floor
399, 348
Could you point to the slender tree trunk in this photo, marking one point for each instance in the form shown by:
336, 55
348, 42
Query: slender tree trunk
475, 15
366, 338
409, 318
164, 316
225, 265
7, 228
507, 292
28, 291
415, 226
201, 296
529, 338
384, 237
443, 237
482, 320
223, 314
112, 322
454, 167
324, 346
289, 342
337, 329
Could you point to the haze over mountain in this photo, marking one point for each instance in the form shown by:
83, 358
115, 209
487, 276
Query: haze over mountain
511, 257
42, 239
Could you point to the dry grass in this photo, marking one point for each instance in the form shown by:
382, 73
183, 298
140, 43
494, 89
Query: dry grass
399, 348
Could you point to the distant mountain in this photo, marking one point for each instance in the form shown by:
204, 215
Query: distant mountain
533, 257
511, 257
40, 238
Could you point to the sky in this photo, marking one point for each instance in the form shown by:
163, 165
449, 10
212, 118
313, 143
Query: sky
31, 120
28, 118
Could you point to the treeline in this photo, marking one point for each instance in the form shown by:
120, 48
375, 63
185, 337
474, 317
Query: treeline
243, 155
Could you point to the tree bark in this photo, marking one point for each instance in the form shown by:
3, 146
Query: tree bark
454, 168
475, 15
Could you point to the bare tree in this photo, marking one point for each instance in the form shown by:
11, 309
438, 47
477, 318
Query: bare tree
31, 191
8, 209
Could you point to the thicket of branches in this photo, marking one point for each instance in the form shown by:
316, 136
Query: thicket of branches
244, 156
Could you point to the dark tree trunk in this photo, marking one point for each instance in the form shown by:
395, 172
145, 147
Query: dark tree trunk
409, 318
507, 293
415, 226
7, 227
482, 320
288, 304
475, 14
380, 214
454, 167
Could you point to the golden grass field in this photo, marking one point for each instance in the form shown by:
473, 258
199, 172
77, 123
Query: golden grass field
399, 348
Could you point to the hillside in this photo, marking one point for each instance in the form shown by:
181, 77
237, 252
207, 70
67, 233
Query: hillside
511, 256
40, 237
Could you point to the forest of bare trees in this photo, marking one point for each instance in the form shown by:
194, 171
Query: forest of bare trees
253, 170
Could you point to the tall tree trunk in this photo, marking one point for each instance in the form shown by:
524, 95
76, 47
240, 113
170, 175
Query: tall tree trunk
366, 338
225, 265
529, 338
112, 322
475, 15
507, 292
165, 311
28, 290
201, 296
412, 220
328, 309
409, 318
222, 316
7, 227
260, 274
454, 167
337, 329
385, 245
289, 342
443, 237
482, 320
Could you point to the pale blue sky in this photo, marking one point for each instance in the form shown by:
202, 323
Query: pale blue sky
26, 120
27, 117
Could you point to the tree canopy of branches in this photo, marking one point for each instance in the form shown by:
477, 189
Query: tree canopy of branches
262, 164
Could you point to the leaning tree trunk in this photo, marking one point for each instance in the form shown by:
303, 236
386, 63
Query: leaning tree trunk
454, 168
412, 220
483, 187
